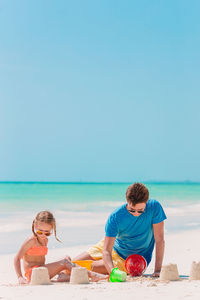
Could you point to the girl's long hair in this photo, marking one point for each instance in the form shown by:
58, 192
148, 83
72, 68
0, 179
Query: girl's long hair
46, 217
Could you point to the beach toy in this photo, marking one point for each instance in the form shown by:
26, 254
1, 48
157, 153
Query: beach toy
79, 275
135, 265
117, 276
169, 272
39, 276
84, 263
195, 271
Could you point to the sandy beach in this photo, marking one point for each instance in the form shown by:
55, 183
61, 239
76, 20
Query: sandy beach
99, 126
181, 248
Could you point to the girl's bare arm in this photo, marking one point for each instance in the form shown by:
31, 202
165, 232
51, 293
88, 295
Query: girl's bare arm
25, 246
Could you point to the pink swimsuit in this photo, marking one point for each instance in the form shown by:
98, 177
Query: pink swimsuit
35, 251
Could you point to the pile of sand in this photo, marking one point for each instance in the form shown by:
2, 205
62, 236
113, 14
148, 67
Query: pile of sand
195, 271
79, 275
169, 272
40, 276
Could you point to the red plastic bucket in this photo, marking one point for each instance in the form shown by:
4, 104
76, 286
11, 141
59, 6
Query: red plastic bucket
135, 265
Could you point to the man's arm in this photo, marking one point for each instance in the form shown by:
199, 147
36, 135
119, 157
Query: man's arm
158, 230
107, 253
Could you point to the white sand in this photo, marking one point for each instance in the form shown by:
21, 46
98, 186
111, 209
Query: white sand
182, 249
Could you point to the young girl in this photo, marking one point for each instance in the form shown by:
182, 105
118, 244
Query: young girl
34, 249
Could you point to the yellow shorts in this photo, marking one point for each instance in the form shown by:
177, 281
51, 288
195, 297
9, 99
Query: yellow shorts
96, 252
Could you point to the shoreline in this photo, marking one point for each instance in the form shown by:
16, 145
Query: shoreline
85, 227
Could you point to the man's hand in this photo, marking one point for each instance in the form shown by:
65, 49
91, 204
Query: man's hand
156, 274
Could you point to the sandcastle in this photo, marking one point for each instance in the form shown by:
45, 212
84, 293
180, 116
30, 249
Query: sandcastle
195, 271
169, 272
40, 276
79, 275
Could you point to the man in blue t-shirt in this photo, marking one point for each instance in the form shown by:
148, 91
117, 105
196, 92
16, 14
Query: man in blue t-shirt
133, 228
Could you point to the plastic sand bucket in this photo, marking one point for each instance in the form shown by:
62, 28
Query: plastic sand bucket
117, 276
135, 265
84, 263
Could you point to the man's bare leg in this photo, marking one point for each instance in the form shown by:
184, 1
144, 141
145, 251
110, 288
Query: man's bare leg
97, 276
63, 277
97, 265
83, 256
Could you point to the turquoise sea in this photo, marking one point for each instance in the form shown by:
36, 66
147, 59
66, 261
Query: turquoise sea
81, 209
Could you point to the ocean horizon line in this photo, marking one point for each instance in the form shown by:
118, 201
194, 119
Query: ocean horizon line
99, 182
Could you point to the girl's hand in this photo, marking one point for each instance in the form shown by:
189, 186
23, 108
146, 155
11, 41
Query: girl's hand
22, 280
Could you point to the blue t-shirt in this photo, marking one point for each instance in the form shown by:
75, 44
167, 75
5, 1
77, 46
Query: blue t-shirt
134, 235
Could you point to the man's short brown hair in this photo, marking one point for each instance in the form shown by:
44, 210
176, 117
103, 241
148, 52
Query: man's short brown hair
137, 193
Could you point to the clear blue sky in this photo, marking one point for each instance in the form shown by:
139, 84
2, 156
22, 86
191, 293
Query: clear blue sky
99, 90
